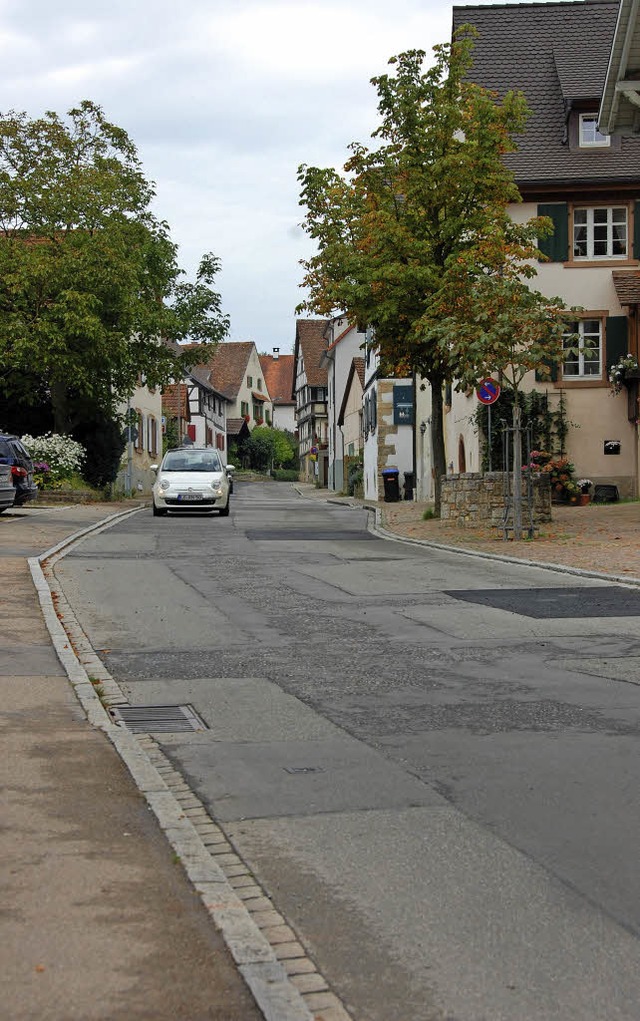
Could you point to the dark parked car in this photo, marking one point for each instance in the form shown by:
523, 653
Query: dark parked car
14, 454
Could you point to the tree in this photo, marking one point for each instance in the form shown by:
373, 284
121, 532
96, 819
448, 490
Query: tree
415, 237
90, 286
268, 448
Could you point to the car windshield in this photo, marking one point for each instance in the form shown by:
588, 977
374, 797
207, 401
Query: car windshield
192, 461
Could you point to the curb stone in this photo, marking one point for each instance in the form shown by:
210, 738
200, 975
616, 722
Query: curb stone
204, 851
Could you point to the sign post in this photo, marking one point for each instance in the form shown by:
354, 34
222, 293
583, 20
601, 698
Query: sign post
487, 393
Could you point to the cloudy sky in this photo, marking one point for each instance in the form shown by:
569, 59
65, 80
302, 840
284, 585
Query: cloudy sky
224, 99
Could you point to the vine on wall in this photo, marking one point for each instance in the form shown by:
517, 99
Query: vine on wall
546, 419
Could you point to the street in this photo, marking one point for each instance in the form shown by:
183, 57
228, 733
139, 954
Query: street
428, 760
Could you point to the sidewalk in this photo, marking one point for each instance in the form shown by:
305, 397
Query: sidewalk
98, 920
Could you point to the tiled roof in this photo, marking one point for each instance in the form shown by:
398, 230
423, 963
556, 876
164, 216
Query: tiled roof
174, 400
236, 426
258, 396
312, 342
278, 377
359, 367
554, 53
627, 286
227, 367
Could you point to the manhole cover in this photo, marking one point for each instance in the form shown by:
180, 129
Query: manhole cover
168, 719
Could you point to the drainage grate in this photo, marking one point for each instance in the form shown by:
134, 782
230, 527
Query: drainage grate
168, 719
303, 769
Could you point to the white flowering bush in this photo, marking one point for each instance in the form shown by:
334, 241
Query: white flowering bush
55, 457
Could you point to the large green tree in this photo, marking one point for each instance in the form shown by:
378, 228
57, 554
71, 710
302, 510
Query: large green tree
90, 287
414, 237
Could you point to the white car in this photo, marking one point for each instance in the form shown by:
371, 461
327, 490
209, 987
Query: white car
191, 478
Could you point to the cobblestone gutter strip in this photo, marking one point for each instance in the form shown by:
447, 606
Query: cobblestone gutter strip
378, 529
282, 978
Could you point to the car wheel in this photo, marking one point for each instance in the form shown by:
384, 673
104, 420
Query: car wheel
224, 511
158, 512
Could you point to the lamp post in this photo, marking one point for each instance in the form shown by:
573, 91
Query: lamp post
423, 429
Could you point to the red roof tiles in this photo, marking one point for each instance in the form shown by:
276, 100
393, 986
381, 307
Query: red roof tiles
278, 377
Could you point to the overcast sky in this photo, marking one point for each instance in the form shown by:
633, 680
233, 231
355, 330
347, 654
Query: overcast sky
224, 99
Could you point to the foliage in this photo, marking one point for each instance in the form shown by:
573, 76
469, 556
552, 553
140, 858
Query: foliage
104, 440
89, 279
267, 448
546, 428
285, 475
171, 436
415, 240
62, 455
618, 373
43, 477
560, 471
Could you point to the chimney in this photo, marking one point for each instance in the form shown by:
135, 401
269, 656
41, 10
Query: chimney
276, 353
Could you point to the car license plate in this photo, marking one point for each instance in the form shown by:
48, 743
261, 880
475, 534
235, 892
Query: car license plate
189, 497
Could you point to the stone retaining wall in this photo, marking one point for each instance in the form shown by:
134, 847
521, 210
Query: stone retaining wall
470, 499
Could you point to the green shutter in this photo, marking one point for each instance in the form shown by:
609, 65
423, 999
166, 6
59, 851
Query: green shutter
636, 231
616, 339
556, 246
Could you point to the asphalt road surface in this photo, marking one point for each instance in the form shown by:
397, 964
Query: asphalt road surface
429, 760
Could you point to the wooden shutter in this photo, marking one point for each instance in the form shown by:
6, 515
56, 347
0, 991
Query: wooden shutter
636, 231
556, 246
616, 339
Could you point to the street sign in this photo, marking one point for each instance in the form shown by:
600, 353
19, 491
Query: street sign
488, 391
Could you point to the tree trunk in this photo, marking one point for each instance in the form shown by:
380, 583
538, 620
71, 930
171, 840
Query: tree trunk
517, 470
437, 441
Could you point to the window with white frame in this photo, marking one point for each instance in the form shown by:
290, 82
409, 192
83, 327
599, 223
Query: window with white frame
590, 137
600, 232
582, 357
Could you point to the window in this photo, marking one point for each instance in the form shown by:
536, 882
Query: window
244, 408
600, 232
259, 383
267, 417
583, 350
249, 380
590, 137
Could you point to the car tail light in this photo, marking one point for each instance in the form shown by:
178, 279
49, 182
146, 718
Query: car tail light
19, 473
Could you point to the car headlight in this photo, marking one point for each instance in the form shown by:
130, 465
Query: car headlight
163, 484
216, 485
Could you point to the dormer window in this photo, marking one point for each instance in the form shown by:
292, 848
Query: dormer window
590, 137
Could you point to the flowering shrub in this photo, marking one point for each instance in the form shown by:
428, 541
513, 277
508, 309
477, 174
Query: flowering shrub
43, 477
585, 485
618, 372
559, 469
56, 458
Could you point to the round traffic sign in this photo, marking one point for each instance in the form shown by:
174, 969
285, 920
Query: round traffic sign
488, 391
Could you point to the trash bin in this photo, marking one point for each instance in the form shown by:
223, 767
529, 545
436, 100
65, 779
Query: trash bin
408, 485
390, 478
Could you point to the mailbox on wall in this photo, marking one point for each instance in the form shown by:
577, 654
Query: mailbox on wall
612, 446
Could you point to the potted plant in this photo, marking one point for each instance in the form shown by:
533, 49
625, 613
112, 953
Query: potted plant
585, 491
623, 372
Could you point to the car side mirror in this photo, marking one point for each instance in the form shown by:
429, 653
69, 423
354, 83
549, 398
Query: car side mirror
231, 467
154, 467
